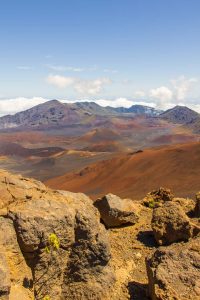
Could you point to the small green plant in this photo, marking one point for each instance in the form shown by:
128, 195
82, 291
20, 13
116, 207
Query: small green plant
151, 203
53, 243
46, 298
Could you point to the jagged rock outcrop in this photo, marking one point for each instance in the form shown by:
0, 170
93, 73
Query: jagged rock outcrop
170, 224
17, 274
187, 204
173, 272
197, 206
81, 267
157, 197
115, 211
78, 269
5, 283
14, 189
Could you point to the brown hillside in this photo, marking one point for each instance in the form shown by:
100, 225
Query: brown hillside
101, 134
133, 175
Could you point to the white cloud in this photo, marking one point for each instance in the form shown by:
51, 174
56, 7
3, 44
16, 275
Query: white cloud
63, 68
58, 68
115, 103
81, 86
177, 94
182, 85
60, 81
195, 107
162, 93
12, 106
124, 102
91, 87
162, 96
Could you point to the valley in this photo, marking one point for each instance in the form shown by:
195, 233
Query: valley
95, 150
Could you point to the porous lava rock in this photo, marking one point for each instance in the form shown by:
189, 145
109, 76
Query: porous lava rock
157, 197
17, 275
170, 224
187, 204
78, 269
5, 283
115, 211
173, 272
197, 206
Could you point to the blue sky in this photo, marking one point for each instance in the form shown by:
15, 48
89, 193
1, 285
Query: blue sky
119, 51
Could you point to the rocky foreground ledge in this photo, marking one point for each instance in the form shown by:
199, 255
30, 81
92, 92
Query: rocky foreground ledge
54, 246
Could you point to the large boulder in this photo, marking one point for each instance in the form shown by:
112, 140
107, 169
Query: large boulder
157, 197
173, 272
78, 266
19, 274
197, 206
115, 211
187, 204
5, 283
16, 188
170, 224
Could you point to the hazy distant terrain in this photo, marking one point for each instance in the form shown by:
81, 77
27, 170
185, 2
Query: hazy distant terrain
54, 139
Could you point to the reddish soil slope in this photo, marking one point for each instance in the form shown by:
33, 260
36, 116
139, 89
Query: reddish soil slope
10, 149
108, 146
101, 134
133, 175
175, 139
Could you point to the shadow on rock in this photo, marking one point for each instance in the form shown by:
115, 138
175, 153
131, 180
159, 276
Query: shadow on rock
138, 291
147, 238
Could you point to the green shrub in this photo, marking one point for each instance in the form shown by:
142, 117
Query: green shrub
46, 298
151, 203
53, 243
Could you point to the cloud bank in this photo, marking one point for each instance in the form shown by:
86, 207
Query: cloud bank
80, 86
177, 92
12, 106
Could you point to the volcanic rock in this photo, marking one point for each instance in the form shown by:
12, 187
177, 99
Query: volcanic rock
170, 224
173, 272
5, 283
115, 211
197, 206
77, 269
157, 197
187, 204
19, 274
180, 115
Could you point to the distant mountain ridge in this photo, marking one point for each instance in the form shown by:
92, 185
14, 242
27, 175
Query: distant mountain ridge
57, 114
180, 115
183, 115
48, 113
54, 113
138, 110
